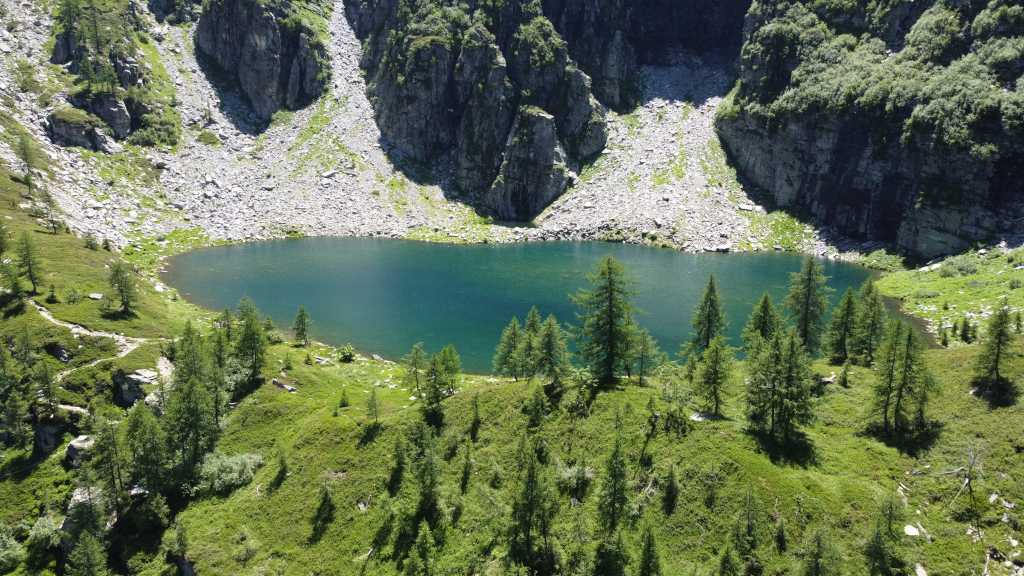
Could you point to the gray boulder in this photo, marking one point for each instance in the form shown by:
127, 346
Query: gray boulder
78, 450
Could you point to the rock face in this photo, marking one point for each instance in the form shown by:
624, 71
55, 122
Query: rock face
499, 85
74, 128
895, 125
78, 450
275, 57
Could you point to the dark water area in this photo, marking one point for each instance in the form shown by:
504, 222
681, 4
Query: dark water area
382, 296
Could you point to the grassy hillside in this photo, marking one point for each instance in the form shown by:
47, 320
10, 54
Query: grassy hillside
838, 483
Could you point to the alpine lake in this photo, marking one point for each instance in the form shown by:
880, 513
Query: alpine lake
382, 296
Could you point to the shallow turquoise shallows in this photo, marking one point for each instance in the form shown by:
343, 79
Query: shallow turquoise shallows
384, 295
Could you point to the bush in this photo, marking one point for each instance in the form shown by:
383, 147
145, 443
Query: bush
12, 552
347, 353
44, 535
221, 474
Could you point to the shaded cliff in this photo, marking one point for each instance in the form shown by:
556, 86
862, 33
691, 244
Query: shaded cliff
516, 91
274, 51
901, 123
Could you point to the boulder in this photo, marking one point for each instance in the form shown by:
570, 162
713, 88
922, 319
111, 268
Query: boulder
109, 108
127, 389
69, 126
78, 450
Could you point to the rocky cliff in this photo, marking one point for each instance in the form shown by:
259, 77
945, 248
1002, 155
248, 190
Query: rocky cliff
273, 50
516, 91
901, 122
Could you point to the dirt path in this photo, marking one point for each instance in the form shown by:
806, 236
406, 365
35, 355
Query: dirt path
125, 344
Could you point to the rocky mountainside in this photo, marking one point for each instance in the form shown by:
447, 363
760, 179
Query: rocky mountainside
900, 121
506, 88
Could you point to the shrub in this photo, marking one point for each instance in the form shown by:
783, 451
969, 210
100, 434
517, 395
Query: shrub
221, 474
347, 353
44, 535
12, 553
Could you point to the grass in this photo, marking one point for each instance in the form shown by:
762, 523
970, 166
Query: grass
257, 528
209, 138
779, 229
971, 284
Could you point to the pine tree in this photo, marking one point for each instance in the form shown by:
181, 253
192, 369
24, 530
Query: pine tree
887, 368
714, 374
870, 325
251, 348
794, 402
190, 425
415, 363
820, 559
88, 557
109, 462
988, 369
534, 506
708, 318
781, 542
727, 564
613, 497
506, 361
421, 560
26, 153
605, 320
552, 356
122, 282
526, 352
451, 366
650, 564
29, 264
45, 389
840, 336
146, 448
807, 301
12, 281
301, 326
648, 355
611, 557
764, 322
431, 406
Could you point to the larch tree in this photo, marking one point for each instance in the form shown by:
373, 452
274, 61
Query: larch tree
301, 326
123, 283
762, 325
415, 363
870, 324
251, 348
650, 563
606, 320
840, 335
506, 361
807, 301
989, 371
146, 448
647, 355
29, 263
88, 557
714, 373
708, 318
552, 353
613, 497
534, 506
190, 424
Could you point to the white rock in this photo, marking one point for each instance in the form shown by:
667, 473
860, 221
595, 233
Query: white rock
911, 530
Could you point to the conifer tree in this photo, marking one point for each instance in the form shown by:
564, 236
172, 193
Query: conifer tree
251, 348
764, 322
820, 559
29, 263
727, 564
648, 355
109, 461
415, 363
45, 389
27, 155
605, 320
88, 557
870, 326
434, 383
506, 361
122, 282
552, 354
650, 564
613, 497
451, 367
146, 448
190, 425
807, 301
988, 370
714, 373
526, 353
611, 557
887, 367
534, 506
708, 318
841, 329
902, 382
301, 326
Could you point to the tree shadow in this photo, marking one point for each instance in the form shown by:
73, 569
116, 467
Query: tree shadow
118, 314
798, 450
13, 307
323, 517
999, 393
912, 442
369, 433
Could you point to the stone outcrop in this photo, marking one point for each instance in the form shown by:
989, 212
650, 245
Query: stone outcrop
276, 59
78, 450
449, 79
909, 137
72, 127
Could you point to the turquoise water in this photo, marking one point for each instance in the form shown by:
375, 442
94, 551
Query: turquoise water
384, 295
